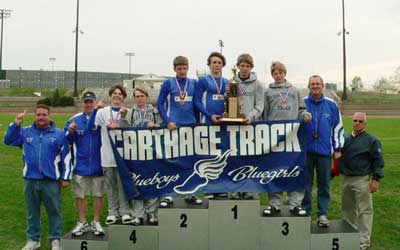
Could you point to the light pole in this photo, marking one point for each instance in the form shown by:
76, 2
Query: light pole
77, 31
221, 44
130, 55
52, 60
4, 13
344, 33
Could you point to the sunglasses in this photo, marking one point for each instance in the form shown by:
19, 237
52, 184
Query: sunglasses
359, 121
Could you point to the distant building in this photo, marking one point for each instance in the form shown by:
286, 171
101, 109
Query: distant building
331, 86
62, 79
149, 81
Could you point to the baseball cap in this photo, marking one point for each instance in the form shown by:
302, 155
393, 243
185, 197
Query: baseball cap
88, 96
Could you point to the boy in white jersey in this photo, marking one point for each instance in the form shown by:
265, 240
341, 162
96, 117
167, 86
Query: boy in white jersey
108, 118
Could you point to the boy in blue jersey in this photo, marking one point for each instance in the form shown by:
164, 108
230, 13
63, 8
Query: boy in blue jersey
214, 85
175, 104
88, 177
47, 169
324, 139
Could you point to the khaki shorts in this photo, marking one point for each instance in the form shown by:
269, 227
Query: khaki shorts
83, 186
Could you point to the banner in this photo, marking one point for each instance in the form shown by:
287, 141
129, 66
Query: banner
261, 157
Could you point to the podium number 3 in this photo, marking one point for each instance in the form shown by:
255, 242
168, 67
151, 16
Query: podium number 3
235, 212
84, 245
285, 230
183, 220
335, 244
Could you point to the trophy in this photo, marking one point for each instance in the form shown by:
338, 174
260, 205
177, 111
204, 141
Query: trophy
233, 106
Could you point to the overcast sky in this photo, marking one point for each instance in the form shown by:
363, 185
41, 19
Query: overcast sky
302, 34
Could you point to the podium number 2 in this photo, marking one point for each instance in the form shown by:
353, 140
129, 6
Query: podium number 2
235, 212
183, 220
335, 244
84, 245
285, 230
132, 237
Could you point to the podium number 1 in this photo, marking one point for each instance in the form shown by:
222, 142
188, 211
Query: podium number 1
183, 219
335, 244
84, 245
285, 230
235, 212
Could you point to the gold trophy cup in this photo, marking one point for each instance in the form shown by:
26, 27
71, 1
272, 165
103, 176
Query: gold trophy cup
233, 102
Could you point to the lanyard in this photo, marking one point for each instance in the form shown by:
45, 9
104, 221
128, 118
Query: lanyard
182, 95
142, 117
317, 121
216, 85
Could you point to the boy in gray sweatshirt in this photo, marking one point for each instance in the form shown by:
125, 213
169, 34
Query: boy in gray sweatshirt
283, 102
251, 91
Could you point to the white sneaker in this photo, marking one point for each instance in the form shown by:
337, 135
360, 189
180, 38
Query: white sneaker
323, 221
152, 219
97, 228
136, 221
126, 219
166, 201
111, 219
31, 245
55, 245
80, 228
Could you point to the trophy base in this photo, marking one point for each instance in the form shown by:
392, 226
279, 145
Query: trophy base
232, 120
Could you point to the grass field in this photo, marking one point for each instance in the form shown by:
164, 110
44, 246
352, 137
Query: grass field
386, 230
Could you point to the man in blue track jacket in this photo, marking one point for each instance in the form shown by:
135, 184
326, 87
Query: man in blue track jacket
87, 178
324, 138
47, 169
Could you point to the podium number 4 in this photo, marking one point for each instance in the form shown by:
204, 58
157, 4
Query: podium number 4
335, 244
84, 245
132, 237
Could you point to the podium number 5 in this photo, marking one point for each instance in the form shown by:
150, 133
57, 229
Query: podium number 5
235, 212
335, 244
184, 219
285, 230
84, 245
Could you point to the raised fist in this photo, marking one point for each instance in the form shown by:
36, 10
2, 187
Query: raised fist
73, 126
20, 118
123, 111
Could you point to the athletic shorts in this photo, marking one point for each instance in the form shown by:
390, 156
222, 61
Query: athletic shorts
83, 186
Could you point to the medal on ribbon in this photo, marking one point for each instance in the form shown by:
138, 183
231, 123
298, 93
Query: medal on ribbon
219, 89
284, 97
182, 96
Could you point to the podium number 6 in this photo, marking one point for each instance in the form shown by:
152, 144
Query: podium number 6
335, 244
285, 230
84, 245
184, 219
235, 212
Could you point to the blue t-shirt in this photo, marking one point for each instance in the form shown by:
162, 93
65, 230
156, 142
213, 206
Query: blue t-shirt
214, 99
175, 109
